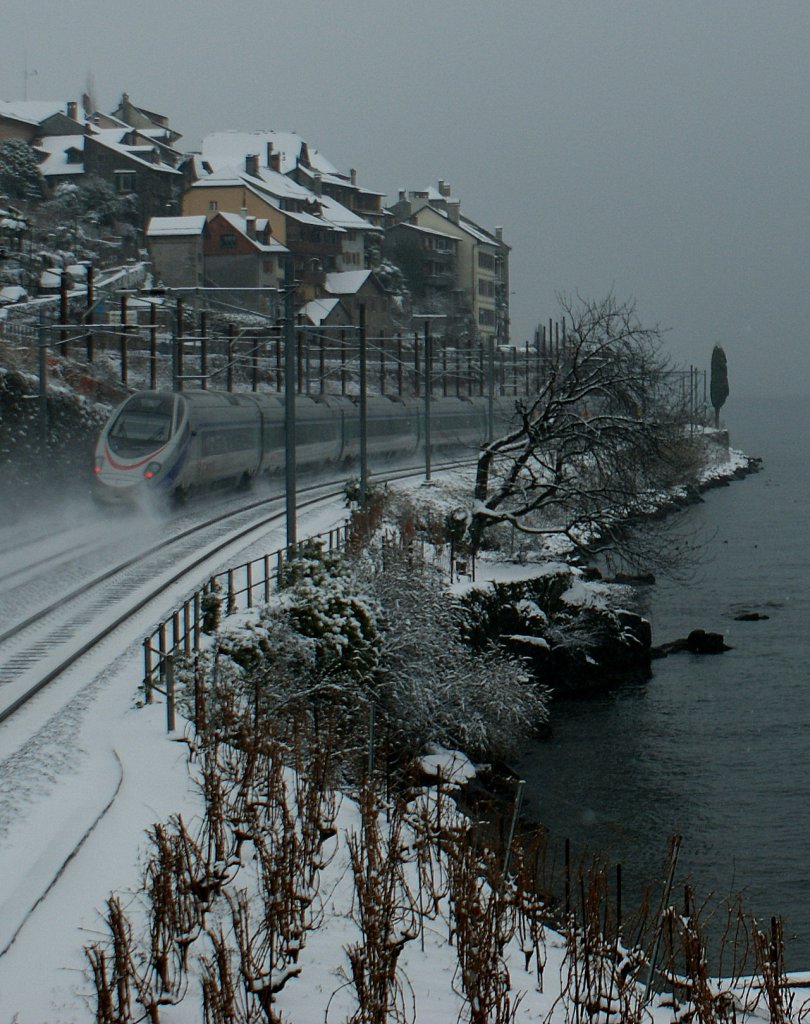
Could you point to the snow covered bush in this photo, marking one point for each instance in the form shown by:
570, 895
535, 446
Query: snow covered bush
435, 686
324, 605
19, 170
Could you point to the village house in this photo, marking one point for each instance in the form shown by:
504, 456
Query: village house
481, 258
362, 288
238, 254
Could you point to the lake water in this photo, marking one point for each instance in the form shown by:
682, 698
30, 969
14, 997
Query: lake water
716, 748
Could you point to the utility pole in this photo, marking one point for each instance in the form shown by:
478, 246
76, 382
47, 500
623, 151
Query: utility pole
428, 390
42, 345
289, 400
491, 389
363, 409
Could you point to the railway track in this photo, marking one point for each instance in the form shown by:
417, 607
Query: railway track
44, 644
66, 679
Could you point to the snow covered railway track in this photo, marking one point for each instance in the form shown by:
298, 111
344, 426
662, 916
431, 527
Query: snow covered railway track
50, 641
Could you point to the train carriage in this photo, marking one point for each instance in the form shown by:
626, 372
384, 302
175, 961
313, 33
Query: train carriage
169, 443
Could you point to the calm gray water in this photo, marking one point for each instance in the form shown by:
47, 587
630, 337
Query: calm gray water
715, 748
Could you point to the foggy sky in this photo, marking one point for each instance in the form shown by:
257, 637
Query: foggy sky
656, 149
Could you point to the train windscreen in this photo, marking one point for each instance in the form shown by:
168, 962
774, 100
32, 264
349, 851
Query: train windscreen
142, 425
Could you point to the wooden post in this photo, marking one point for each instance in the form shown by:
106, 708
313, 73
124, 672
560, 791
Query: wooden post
147, 670
279, 364
170, 713
254, 364
399, 363
444, 369
186, 628
196, 616
382, 362
416, 365
322, 364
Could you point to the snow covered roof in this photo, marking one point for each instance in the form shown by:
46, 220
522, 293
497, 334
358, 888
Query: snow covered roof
112, 138
280, 185
240, 224
310, 218
32, 111
317, 310
478, 233
341, 215
12, 293
55, 149
164, 227
232, 147
267, 183
347, 282
425, 231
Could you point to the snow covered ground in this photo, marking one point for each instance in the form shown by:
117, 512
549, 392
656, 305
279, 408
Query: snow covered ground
74, 810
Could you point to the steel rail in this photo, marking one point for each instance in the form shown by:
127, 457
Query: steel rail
211, 552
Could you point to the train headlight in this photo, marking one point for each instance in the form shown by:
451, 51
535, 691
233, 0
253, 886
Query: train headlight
152, 470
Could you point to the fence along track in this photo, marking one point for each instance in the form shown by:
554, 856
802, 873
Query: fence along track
242, 587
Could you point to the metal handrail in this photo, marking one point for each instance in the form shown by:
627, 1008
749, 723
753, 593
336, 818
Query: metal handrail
242, 586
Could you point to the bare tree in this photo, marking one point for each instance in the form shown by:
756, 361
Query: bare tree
602, 433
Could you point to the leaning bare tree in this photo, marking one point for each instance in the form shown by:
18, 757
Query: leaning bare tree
603, 432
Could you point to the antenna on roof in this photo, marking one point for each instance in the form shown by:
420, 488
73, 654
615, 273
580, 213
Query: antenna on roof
26, 74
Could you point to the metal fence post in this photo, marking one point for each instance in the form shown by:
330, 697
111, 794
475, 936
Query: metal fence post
147, 670
170, 711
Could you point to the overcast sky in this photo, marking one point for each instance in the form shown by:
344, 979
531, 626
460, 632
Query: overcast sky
658, 149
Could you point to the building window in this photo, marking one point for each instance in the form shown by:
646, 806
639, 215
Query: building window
227, 241
124, 181
486, 317
213, 205
486, 261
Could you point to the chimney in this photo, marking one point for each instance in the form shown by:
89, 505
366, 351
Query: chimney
275, 162
73, 110
402, 195
250, 227
444, 188
252, 165
499, 233
317, 184
453, 209
353, 176
269, 159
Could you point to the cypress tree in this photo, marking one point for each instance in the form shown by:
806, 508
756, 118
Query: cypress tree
719, 382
